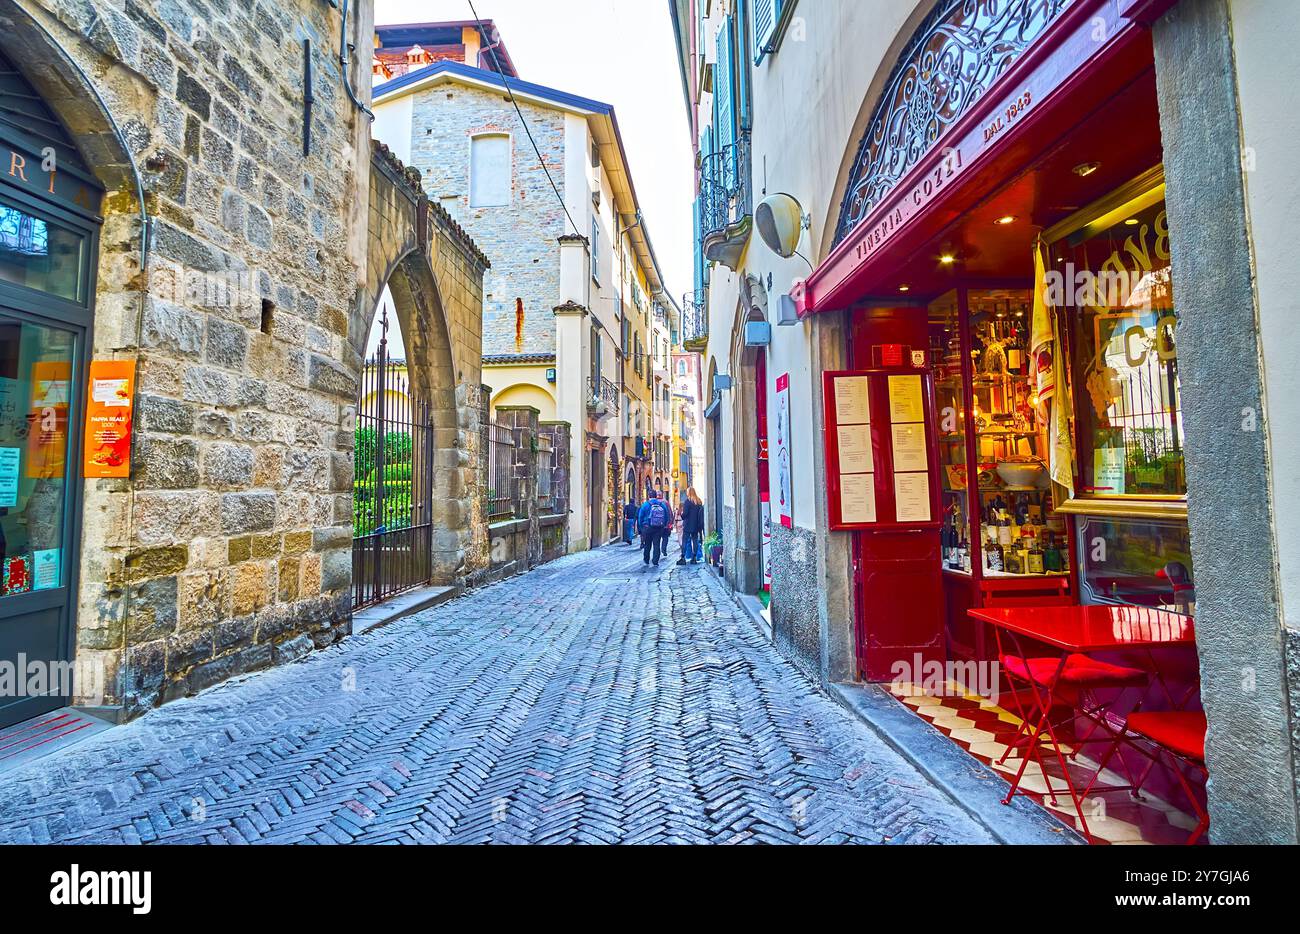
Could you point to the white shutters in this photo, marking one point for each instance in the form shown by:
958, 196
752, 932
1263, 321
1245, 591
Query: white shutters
489, 171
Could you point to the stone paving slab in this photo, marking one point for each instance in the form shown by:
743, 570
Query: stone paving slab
593, 700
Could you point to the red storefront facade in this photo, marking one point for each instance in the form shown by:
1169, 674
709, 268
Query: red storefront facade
1006, 438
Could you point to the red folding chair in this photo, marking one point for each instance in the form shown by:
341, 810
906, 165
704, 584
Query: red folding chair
1179, 734
1070, 681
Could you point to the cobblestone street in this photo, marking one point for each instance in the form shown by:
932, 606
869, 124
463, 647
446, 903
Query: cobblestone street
591, 700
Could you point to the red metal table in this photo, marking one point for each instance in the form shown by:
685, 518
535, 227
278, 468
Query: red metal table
1074, 631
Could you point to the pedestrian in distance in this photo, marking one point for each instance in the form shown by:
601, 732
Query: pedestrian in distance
692, 528
655, 522
629, 521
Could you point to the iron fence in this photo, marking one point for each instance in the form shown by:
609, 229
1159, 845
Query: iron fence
392, 493
545, 474
501, 471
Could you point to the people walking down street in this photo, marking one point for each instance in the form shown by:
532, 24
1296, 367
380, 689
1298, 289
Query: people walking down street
655, 522
629, 521
692, 528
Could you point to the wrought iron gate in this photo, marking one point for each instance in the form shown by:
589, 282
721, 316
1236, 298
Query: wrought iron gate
392, 493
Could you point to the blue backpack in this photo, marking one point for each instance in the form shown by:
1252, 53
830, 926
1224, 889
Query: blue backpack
657, 518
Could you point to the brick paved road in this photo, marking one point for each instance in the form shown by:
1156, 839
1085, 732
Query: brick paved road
589, 700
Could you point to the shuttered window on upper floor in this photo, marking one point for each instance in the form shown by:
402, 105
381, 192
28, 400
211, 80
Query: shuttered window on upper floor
766, 19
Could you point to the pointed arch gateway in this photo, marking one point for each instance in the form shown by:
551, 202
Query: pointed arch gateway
416, 437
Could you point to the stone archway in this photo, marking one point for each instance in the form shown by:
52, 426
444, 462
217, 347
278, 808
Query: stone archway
434, 272
744, 537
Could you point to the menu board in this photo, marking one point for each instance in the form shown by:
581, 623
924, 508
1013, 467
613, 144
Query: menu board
877, 444
855, 455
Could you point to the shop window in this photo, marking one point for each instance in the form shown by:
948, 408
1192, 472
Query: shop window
1136, 561
39, 254
489, 171
36, 384
1113, 280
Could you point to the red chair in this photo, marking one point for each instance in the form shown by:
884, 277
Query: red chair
1181, 736
1064, 681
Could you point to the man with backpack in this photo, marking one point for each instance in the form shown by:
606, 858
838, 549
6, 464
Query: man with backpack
655, 522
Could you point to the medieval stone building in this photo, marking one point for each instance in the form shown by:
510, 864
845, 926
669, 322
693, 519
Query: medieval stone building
193, 236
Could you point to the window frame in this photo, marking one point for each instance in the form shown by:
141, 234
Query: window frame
1146, 189
509, 167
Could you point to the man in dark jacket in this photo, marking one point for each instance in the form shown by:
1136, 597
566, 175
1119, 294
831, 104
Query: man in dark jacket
655, 522
629, 521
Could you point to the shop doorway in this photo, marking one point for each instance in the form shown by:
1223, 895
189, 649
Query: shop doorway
48, 252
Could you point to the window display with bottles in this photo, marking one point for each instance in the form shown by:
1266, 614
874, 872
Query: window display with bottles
999, 516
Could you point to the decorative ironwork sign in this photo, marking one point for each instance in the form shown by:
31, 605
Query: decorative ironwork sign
957, 54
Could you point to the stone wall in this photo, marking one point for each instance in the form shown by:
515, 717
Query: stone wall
229, 547
535, 533
520, 237
796, 586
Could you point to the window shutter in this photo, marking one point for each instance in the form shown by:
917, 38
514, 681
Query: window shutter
766, 15
723, 88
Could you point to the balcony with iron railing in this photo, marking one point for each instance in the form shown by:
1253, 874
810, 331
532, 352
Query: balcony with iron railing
602, 397
695, 321
726, 203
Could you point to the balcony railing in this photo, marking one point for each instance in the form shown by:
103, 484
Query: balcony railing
695, 321
602, 396
725, 202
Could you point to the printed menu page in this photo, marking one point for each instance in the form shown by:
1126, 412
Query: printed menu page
905, 403
858, 498
855, 448
852, 400
912, 497
909, 447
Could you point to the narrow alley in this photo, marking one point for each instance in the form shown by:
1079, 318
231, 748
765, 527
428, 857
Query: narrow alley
590, 700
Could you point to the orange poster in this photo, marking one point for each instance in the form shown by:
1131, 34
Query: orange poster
47, 439
108, 418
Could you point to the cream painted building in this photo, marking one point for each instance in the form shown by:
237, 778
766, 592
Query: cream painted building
571, 296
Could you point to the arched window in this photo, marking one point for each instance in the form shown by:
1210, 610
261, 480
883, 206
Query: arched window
489, 170
956, 55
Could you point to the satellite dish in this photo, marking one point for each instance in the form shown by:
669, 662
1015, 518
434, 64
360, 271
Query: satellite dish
779, 221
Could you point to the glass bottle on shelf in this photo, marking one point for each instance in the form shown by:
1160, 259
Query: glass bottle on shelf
993, 552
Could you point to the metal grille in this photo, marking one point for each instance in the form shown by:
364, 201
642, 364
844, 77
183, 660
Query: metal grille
501, 471
724, 187
545, 474
956, 55
392, 493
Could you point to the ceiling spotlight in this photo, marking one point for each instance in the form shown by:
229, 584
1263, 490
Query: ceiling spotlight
1006, 219
947, 259
1131, 222
1084, 169
904, 288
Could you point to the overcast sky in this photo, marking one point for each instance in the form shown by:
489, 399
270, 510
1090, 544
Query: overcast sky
617, 51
